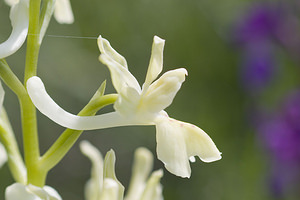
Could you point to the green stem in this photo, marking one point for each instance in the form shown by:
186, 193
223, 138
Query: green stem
11, 80
33, 45
28, 111
64, 143
15, 161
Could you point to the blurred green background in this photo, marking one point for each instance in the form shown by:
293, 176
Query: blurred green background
197, 34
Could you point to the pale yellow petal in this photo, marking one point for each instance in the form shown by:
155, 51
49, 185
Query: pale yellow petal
110, 190
117, 66
177, 141
156, 61
11, 2
94, 186
109, 171
18, 191
63, 12
162, 92
142, 166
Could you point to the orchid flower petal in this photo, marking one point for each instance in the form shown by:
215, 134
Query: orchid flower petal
52, 193
19, 16
11, 2
162, 92
106, 49
63, 12
110, 190
45, 193
142, 166
45, 104
156, 61
117, 65
177, 141
126, 102
94, 186
19, 191
153, 190
109, 171
3, 155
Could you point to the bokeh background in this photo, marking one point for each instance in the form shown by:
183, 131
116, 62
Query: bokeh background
243, 62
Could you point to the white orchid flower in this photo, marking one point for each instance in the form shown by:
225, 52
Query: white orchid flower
18, 191
103, 184
19, 17
62, 11
177, 141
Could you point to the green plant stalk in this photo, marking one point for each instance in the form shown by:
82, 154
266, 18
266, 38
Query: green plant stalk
28, 111
11, 80
64, 143
15, 161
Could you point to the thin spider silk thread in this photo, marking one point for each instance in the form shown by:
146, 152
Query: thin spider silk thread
69, 37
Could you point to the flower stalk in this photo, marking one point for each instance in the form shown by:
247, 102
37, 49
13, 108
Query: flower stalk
28, 111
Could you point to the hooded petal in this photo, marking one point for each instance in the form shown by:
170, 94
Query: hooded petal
45, 193
110, 190
3, 155
18, 191
106, 49
52, 193
117, 66
142, 166
94, 186
127, 102
11, 2
63, 12
19, 16
178, 141
109, 171
162, 92
156, 61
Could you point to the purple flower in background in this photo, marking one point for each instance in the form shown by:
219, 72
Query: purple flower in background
260, 23
282, 140
258, 66
259, 34
281, 137
254, 35
292, 111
